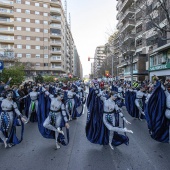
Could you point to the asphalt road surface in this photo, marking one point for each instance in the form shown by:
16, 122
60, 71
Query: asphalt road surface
38, 153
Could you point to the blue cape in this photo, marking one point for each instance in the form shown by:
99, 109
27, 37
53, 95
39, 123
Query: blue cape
158, 124
43, 111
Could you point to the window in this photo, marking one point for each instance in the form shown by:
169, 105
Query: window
37, 47
45, 31
37, 4
45, 64
27, 11
27, 20
45, 55
37, 21
138, 42
19, 28
45, 5
37, 30
37, 64
18, 10
37, 39
18, 1
37, 56
28, 47
138, 28
19, 55
27, 3
18, 19
45, 22
19, 37
19, 46
46, 14
27, 38
28, 55
45, 47
45, 39
37, 13
27, 29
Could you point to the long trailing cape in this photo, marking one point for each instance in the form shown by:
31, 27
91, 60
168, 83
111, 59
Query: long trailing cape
96, 131
131, 107
43, 111
13, 136
158, 124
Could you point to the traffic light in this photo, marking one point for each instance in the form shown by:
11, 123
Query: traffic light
88, 58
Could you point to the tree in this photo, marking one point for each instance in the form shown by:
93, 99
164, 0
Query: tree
39, 79
15, 72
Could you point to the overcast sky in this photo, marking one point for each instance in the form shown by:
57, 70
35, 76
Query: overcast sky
91, 23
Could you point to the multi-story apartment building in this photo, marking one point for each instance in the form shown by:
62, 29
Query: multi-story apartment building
36, 33
98, 59
78, 71
139, 42
132, 49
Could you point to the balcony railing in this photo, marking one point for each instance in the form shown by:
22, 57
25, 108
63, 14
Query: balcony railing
3, 29
56, 18
55, 9
6, 2
55, 1
130, 22
8, 11
6, 38
130, 10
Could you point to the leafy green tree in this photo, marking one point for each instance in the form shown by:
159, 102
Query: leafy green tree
48, 79
15, 72
39, 79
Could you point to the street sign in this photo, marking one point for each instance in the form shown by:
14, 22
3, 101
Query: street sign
1, 65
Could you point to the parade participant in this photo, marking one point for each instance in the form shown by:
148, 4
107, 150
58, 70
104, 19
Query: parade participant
2, 85
72, 102
21, 93
139, 100
56, 114
157, 113
7, 116
32, 104
109, 116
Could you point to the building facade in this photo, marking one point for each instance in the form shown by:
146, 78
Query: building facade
99, 57
140, 44
37, 34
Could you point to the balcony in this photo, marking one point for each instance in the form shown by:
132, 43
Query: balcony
6, 21
6, 3
6, 30
129, 25
55, 51
55, 43
6, 12
6, 39
55, 19
55, 67
55, 3
128, 14
125, 5
56, 59
55, 26
129, 37
55, 10
55, 35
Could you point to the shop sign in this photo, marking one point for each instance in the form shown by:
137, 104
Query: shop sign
160, 67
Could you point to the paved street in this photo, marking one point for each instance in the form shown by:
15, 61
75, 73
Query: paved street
38, 153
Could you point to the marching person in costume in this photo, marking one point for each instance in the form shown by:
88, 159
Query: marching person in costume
158, 114
54, 119
33, 106
9, 108
109, 116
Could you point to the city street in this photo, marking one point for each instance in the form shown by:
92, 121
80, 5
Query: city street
36, 152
